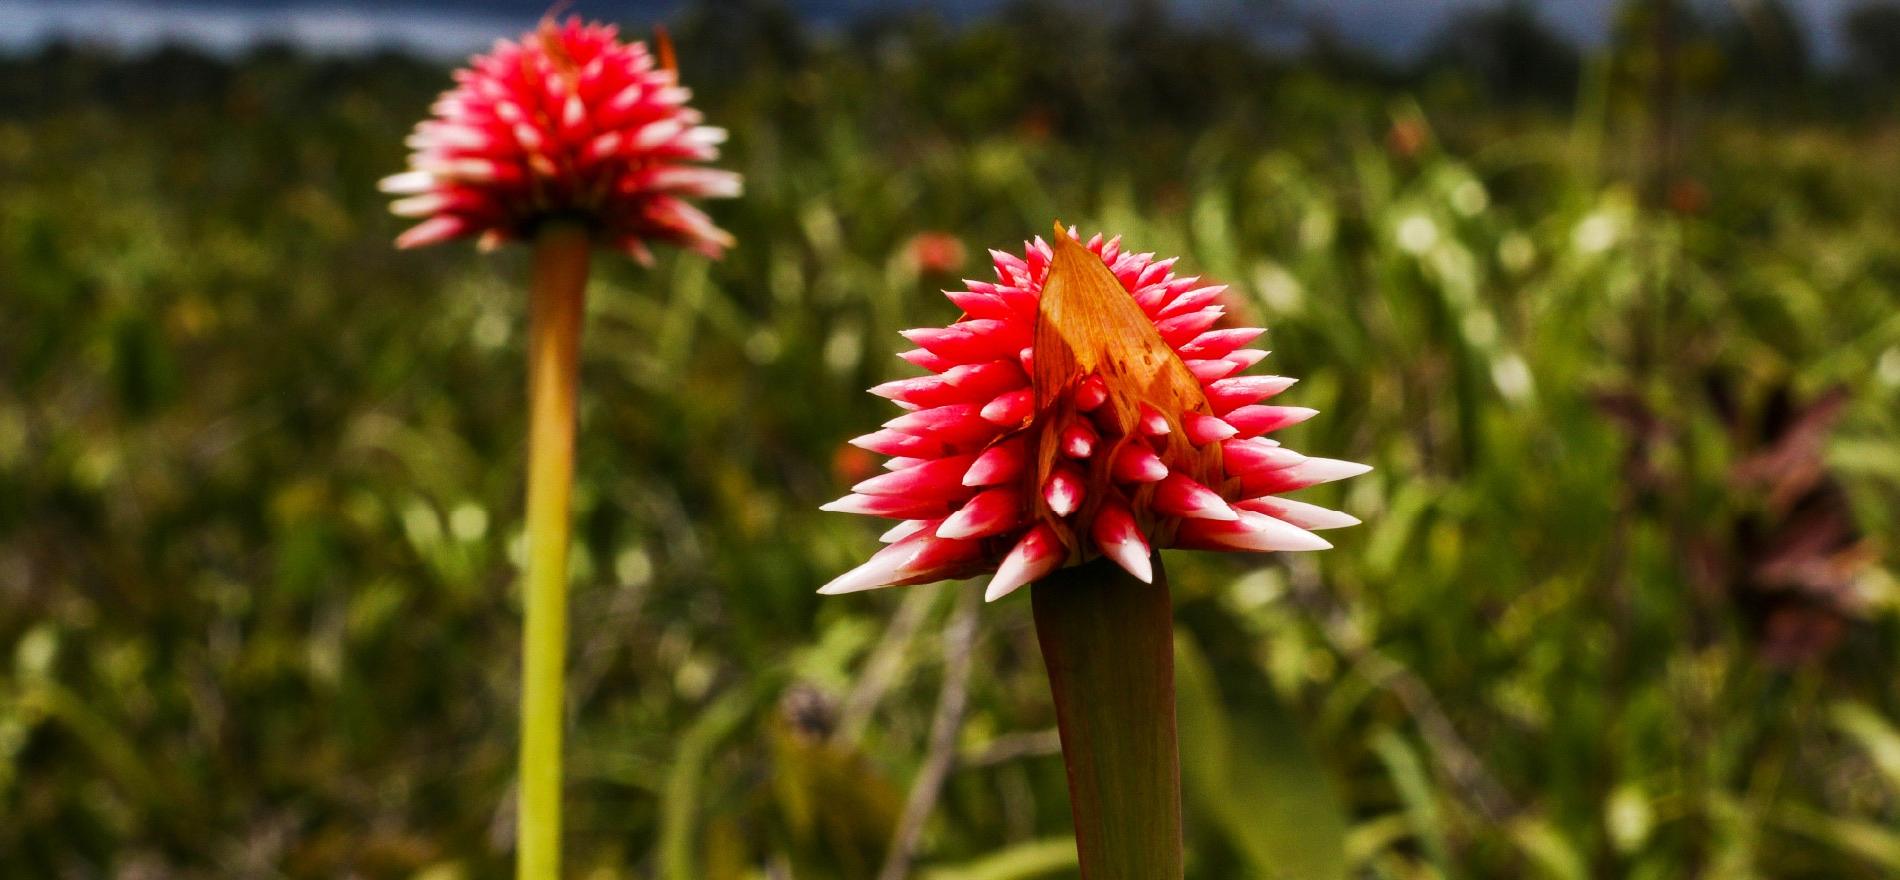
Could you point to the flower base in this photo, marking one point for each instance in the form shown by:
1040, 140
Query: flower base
1108, 644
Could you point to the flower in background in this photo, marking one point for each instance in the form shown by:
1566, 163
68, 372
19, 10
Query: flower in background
566, 123
935, 253
1407, 136
570, 139
1086, 405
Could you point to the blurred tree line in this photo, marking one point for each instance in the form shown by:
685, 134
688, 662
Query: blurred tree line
1155, 64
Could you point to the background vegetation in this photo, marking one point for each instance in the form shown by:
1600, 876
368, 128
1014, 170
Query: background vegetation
1619, 331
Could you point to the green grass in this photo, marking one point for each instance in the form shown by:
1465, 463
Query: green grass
260, 505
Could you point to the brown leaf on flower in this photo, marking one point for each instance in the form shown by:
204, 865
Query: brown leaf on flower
1088, 324
663, 47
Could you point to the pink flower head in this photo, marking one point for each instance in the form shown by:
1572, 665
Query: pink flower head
567, 123
1086, 404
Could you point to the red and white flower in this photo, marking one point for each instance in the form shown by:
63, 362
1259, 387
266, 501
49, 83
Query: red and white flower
1086, 404
568, 123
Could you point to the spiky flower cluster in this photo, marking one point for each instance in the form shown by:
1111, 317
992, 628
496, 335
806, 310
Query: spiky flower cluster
567, 123
1099, 415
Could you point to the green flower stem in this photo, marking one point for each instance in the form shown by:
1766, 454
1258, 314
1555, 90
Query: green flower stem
558, 296
1108, 644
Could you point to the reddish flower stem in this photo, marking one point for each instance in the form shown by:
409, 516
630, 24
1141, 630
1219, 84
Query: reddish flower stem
558, 298
1108, 644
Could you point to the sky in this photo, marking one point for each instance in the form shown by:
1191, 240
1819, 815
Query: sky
453, 28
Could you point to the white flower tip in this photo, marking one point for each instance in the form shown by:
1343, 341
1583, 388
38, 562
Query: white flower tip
874, 573
903, 530
417, 206
1326, 470
1037, 554
1180, 496
1321, 518
1006, 581
1270, 533
958, 528
848, 504
1132, 560
1307, 516
1306, 542
407, 183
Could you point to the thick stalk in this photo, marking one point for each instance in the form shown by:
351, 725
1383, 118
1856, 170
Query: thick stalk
1108, 643
558, 296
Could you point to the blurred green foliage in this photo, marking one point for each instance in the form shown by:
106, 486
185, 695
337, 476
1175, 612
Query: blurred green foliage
259, 476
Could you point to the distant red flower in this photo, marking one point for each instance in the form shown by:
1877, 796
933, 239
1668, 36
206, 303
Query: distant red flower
1687, 196
936, 253
1407, 137
1087, 404
849, 464
568, 123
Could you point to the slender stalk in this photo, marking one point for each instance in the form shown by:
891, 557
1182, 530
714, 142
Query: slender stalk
1108, 643
558, 296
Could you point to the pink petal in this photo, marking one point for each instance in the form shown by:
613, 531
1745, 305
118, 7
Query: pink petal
1136, 463
1251, 532
1219, 343
991, 512
1153, 422
1011, 408
890, 506
1310, 472
920, 557
1179, 496
1203, 429
1150, 298
1036, 555
1091, 393
888, 442
997, 464
1119, 537
1300, 513
1246, 456
1155, 271
880, 570
981, 305
408, 183
1246, 357
986, 380
1230, 394
1191, 300
432, 231
907, 528
1212, 370
1063, 490
956, 424
921, 392
1025, 302
929, 360
1253, 421
1182, 329
1078, 439
972, 341
935, 478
